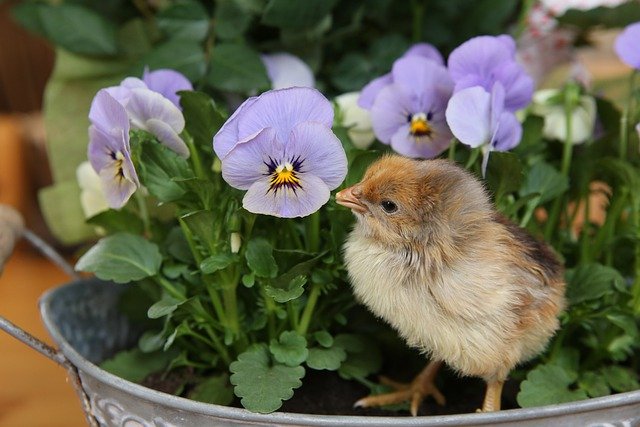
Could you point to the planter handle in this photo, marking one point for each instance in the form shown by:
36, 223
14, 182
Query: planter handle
11, 229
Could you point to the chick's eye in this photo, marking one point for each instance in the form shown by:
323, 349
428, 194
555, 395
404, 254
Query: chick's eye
388, 206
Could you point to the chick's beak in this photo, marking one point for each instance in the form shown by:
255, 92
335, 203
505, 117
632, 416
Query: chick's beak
350, 198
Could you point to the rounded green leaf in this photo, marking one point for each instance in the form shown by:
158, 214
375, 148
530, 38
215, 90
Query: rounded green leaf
326, 358
261, 384
290, 348
122, 258
237, 68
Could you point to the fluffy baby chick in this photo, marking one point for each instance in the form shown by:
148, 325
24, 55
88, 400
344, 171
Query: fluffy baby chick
430, 255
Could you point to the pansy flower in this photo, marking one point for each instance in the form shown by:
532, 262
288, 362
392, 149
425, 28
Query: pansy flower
285, 154
109, 152
626, 45
480, 119
373, 88
166, 82
486, 60
409, 114
550, 104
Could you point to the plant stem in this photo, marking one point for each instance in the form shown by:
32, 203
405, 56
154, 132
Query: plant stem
312, 226
523, 17
168, 286
418, 15
624, 119
635, 288
475, 153
452, 149
143, 212
308, 309
567, 154
531, 207
195, 156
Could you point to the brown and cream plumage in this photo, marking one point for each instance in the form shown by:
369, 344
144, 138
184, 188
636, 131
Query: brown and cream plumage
430, 255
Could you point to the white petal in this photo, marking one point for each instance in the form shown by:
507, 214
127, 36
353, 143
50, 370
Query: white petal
357, 119
469, 116
286, 70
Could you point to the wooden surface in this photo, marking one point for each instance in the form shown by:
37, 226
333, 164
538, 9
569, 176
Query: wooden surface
33, 390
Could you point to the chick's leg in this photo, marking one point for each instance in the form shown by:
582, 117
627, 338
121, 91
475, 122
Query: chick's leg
421, 387
492, 396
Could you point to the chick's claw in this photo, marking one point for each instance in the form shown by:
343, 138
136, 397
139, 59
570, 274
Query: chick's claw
415, 392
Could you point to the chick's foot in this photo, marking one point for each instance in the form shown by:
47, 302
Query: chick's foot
416, 391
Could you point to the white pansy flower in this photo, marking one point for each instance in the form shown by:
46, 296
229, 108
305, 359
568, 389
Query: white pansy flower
549, 104
357, 119
92, 196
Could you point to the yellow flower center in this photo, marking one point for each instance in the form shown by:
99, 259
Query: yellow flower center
284, 175
419, 125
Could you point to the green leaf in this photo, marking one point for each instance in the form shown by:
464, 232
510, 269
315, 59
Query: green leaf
296, 14
261, 384
594, 384
290, 348
294, 289
152, 341
504, 173
202, 225
202, 118
217, 262
176, 245
324, 338
260, 259
621, 379
237, 68
248, 280
134, 365
114, 221
185, 56
545, 180
166, 305
159, 169
232, 19
609, 17
590, 281
546, 385
121, 257
72, 27
214, 390
185, 19
359, 165
353, 72
363, 356
326, 358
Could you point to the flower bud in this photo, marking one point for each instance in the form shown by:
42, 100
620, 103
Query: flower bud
235, 242
357, 119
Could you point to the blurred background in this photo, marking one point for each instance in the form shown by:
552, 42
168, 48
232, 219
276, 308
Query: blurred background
34, 391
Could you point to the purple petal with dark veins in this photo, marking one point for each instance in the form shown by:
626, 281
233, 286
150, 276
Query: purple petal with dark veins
227, 136
248, 161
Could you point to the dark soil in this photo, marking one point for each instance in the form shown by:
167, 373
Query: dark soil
326, 393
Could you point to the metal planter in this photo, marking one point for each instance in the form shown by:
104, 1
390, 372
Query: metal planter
84, 321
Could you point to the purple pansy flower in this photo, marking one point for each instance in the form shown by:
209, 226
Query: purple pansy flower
166, 82
409, 114
485, 60
480, 119
626, 45
280, 148
109, 152
287, 70
373, 88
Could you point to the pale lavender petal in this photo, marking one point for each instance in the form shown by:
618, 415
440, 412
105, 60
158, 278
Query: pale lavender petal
227, 136
287, 203
146, 104
497, 104
167, 83
107, 113
479, 55
425, 50
286, 70
404, 143
469, 116
627, 45
133, 83
508, 134
167, 136
117, 188
508, 43
372, 89
102, 146
247, 162
320, 151
517, 83
283, 109
120, 94
392, 109
423, 79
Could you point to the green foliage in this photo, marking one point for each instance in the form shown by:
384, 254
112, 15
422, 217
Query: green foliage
261, 384
548, 384
326, 358
134, 365
290, 348
260, 258
237, 68
214, 390
121, 257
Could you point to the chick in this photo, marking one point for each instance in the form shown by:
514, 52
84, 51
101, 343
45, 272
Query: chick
431, 256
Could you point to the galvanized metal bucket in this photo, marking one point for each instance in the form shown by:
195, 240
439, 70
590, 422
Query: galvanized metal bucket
85, 323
